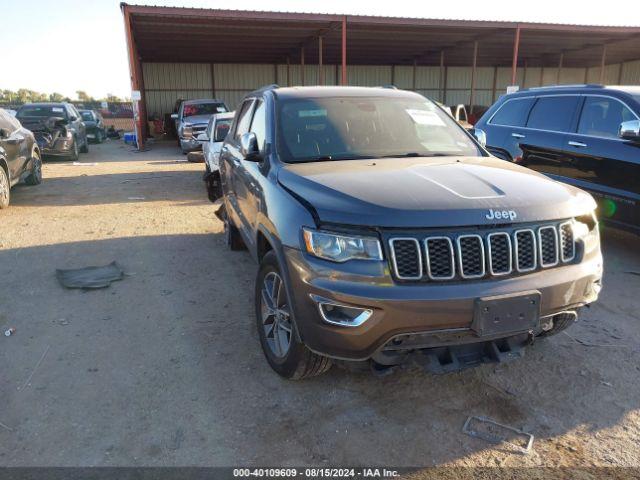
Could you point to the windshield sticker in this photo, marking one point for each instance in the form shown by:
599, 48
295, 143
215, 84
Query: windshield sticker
221, 109
57, 109
312, 113
424, 117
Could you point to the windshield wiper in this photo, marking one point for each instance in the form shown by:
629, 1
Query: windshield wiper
327, 158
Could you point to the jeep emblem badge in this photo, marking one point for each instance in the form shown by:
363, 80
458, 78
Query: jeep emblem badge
501, 215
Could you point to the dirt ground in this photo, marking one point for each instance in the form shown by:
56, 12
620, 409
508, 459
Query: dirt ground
164, 367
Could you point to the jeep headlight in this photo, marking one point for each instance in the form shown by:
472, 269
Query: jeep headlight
341, 248
187, 131
585, 225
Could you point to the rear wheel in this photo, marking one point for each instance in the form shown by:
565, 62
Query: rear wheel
36, 170
99, 137
75, 153
5, 189
286, 354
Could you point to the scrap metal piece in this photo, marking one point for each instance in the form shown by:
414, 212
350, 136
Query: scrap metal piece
492, 432
90, 277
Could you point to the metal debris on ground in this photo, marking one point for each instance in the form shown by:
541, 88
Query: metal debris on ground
494, 432
10, 331
90, 277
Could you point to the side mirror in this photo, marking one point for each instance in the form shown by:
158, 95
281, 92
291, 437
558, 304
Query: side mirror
479, 135
630, 130
174, 116
4, 133
249, 147
202, 137
73, 119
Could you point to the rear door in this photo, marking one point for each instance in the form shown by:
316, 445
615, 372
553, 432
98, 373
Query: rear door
542, 141
601, 162
232, 175
505, 127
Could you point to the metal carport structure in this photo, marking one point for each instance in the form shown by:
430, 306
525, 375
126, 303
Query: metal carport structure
186, 52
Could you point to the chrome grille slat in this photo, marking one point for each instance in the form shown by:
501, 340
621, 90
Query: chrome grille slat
471, 256
406, 256
525, 250
440, 258
499, 253
493, 253
567, 244
548, 246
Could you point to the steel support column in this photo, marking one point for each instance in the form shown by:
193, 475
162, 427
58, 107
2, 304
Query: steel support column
514, 63
472, 97
442, 79
302, 66
320, 68
343, 80
602, 63
560, 62
413, 81
135, 71
288, 71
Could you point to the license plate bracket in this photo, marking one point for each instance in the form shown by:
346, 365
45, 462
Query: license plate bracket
503, 314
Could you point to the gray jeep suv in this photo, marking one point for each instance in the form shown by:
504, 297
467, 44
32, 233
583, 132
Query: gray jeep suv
385, 232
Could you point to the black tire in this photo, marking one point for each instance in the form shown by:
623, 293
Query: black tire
560, 323
5, 189
232, 236
298, 362
99, 136
36, 170
212, 182
85, 146
74, 155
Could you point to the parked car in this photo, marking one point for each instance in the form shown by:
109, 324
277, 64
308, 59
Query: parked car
385, 232
212, 139
192, 119
93, 122
10, 112
584, 135
58, 128
19, 157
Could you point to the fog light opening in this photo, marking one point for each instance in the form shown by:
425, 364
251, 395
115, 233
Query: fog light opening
342, 315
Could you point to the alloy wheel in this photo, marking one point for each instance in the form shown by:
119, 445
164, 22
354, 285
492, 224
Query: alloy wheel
276, 316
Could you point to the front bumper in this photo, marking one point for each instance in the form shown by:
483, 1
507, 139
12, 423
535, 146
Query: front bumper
418, 309
190, 144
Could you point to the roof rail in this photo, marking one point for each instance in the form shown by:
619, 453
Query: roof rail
389, 85
575, 85
266, 88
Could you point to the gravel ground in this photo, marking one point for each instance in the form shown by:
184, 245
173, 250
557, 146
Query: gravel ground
164, 367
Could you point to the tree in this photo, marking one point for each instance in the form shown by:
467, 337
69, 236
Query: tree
56, 97
83, 97
112, 98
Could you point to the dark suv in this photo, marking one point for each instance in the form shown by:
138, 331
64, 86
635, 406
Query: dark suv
585, 135
384, 231
58, 128
19, 157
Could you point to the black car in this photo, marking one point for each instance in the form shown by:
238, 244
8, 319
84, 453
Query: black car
584, 135
19, 157
94, 124
385, 232
58, 128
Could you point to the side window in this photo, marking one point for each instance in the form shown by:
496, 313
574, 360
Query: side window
554, 113
601, 117
513, 113
244, 117
258, 124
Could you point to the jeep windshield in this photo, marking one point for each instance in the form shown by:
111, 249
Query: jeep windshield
40, 111
352, 128
192, 109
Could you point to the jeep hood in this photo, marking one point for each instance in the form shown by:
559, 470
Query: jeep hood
429, 192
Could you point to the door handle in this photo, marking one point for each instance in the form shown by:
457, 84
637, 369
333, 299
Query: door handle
577, 144
517, 135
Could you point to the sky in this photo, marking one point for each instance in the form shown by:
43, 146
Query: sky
69, 45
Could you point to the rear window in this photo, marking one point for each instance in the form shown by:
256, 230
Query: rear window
553, 113
87, 116
513, 113
41, 111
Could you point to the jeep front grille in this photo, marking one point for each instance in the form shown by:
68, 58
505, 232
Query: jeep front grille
466, 256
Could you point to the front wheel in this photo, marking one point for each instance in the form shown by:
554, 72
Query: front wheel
75, 152
286, 354
5, 188
99, 137
36, 170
